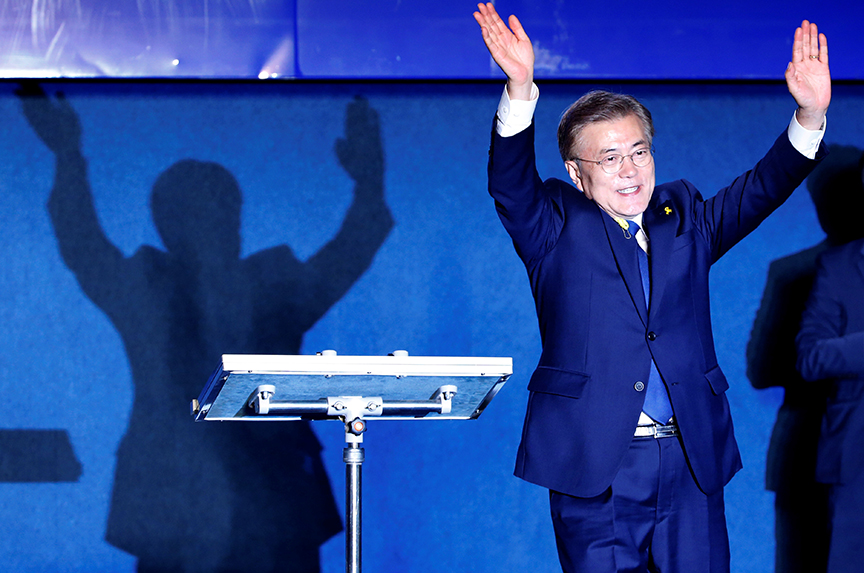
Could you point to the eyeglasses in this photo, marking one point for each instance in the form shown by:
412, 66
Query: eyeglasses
612, 164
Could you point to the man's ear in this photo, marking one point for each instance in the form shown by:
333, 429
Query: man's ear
574, 172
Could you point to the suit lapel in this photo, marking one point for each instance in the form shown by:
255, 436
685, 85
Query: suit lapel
660, 223
628, 265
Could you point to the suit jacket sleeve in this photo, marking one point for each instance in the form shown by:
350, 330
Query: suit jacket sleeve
736, 211
529, 209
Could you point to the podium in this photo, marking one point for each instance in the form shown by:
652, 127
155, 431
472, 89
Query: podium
352, 389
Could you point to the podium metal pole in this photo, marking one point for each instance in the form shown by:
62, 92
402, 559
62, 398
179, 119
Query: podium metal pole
353, 455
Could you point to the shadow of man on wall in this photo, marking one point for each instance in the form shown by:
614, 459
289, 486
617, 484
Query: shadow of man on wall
800, 502
212, 496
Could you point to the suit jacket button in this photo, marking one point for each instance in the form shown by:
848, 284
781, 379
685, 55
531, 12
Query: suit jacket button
652, 335
639, 386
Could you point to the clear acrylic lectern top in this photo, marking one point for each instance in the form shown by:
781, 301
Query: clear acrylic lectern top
234, 390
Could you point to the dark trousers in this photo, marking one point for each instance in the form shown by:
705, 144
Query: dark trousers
653, 518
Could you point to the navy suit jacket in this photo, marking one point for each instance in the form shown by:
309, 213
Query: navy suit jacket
831, 349
598, 338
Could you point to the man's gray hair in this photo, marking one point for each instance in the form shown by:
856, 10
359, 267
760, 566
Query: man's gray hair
593, 107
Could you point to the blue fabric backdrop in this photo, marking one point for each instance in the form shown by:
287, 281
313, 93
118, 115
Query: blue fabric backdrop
437, 496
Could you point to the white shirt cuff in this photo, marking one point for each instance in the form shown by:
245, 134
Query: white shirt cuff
805, 141
515, 115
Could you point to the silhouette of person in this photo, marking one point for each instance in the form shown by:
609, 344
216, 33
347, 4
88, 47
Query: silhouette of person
800, 502
213, 496
830, 346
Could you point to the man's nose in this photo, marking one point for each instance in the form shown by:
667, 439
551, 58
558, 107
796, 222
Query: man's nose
628, 167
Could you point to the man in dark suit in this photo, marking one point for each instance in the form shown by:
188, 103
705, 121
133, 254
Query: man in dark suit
830, 348
628, 424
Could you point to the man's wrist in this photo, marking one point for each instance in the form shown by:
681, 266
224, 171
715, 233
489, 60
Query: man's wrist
521, 91
812, 121
806, 141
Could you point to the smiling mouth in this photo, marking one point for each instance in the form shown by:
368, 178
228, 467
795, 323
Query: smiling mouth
628, 191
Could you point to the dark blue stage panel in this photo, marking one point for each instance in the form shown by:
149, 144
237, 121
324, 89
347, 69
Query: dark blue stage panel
630, 39
390, 39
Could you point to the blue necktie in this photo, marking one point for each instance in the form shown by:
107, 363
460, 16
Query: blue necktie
657, 404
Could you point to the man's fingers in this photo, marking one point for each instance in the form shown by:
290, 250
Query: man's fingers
517, 28
823, 48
